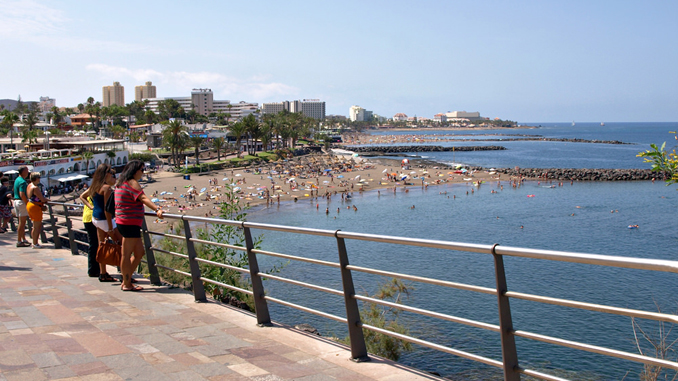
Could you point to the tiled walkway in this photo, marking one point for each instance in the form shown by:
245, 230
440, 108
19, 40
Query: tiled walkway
57, 323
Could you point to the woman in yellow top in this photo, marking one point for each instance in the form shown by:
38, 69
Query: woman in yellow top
93, 269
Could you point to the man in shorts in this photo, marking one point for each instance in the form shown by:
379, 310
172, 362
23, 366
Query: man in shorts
20, 202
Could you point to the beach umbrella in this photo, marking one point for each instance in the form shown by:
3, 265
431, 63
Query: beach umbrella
384, 171
224, 179
357, 177
292, 178
328, 170
203, 190
155, 200
464, 170
238, 175
163, 193
12, 172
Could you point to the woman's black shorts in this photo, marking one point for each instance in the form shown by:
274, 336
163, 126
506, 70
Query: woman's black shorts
130, 231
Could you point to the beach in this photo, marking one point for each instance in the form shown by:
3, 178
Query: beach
317, 176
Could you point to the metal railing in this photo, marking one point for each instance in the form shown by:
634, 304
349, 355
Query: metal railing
509, 362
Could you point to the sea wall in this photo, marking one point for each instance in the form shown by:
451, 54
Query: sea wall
376, 150
583, 174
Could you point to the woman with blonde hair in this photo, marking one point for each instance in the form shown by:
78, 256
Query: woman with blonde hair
36, 201
99, 191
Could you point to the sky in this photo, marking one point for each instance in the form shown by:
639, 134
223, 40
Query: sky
527, 61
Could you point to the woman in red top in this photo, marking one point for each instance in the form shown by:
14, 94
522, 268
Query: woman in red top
129, 216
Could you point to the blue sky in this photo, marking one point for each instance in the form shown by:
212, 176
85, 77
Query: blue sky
521, 60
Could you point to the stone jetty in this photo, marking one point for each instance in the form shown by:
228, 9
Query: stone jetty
577, 174
380, 150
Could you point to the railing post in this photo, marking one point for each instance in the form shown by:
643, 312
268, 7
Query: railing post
355, 331
55, 229
43, 235
150, 256
260, 306
508, 341
198, 287
71, 234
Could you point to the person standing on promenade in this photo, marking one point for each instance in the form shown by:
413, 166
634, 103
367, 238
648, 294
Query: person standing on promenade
36, 201
100, 190
5, 204
20, 202
93, 269
129, 215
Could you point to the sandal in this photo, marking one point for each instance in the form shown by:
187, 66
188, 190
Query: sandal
106, 277
135, 288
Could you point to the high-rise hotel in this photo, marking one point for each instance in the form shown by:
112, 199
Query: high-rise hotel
114, 95
144, 91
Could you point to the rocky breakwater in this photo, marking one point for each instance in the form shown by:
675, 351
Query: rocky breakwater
583, 174
384, 150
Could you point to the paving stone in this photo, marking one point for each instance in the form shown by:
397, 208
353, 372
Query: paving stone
44, 360
29, 374
210, 369
187, 375
141, 373
61, 371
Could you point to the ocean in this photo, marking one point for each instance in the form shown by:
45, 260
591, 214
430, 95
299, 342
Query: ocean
590, 217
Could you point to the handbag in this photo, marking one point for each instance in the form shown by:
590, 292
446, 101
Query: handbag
109, 252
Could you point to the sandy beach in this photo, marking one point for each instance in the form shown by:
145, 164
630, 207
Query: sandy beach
315, 176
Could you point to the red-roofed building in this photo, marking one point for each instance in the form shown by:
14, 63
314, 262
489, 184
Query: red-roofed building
80, 120
400, 117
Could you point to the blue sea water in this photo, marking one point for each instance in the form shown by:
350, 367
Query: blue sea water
587, 217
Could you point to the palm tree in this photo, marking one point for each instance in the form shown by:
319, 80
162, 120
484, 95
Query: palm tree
252, 129
173, 136
87, 156
56, 114
238, 130
111, 155
218, 144
196, 142
265, 134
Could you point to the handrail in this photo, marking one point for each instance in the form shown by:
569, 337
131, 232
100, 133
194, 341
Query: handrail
509, 364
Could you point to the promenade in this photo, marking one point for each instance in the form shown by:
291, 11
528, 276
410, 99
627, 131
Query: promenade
57, 323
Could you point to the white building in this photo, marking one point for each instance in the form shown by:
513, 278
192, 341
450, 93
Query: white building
203, 100
313, 108
462, 115
356, 114
400, 117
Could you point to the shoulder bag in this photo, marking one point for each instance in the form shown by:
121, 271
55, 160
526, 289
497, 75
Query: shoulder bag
109, 252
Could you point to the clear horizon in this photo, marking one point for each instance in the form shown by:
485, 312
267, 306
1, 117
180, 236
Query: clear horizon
602, 62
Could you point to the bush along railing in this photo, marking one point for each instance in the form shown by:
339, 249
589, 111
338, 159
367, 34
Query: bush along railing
509, 363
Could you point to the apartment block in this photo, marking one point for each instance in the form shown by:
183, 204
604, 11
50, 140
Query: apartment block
144, 91
46, 104
114, 95
313, 108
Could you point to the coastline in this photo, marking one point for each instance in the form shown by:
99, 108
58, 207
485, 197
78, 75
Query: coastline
303, 178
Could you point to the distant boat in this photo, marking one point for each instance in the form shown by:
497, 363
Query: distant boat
602, 123
573, 122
